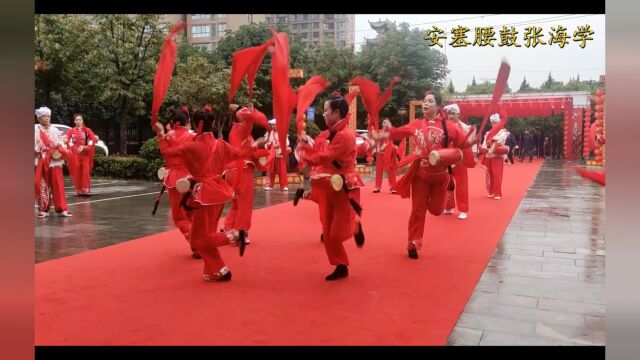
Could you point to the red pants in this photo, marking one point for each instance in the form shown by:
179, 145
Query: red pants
180, 216
381, 166
494, 167
82, 179
239, 214
205, 237
53, 185
426, 194
462, 190
279, 168
338, 224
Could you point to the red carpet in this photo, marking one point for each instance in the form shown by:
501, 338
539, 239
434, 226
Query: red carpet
150, 292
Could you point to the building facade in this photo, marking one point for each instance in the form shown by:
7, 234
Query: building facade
314, 29
206, 30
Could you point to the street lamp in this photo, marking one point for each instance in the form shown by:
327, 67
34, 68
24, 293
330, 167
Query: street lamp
402, 112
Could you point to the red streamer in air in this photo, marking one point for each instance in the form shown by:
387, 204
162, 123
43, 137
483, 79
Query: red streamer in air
164, 71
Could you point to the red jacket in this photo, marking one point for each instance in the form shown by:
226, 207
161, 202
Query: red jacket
205, 159
175, 165
340, 149
427, 135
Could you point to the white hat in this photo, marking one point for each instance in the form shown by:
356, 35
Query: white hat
452, 107
272, 122
43, 111
494, 118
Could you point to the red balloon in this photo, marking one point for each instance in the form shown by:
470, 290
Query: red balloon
599, 158
598, 115
599, 92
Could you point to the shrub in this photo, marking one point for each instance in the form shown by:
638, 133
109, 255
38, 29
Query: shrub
149, 150
123, 167
99, 152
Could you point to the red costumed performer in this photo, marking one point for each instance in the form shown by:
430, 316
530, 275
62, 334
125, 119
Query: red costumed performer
205, 158
49, 152
460, 195
83, 144
337, 156
424, 182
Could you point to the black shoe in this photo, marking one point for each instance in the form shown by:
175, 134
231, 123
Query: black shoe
321, 237
359, 236
225, 277
299, 195
340, 272
413, 253
241, 244
376, 191
195, 254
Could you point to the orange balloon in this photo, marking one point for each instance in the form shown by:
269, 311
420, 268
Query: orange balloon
598, 158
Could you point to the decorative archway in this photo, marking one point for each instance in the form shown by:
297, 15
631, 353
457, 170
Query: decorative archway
542, 105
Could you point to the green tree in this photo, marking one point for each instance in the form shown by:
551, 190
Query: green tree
402, 52
197, 83
551, 84
67, 79
254, 35
129, 46
525, 87
483, 88
450, 88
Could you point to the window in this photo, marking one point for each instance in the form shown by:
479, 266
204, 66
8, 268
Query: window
328, 26
342, 25
342, 35
328, 17
316, 25
269, 20
315, 16
343, 43
316, 34
329, 35
294, 27
282, 19
200, 31
199, 16
305, 17
221, 29
305, 26
222, 16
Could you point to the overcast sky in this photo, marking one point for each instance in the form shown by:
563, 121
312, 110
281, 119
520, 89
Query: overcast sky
534, 63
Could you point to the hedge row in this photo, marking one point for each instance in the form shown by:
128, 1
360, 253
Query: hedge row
131, 167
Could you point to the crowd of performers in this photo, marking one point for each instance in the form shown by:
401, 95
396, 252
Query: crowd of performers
202, 173
52, 150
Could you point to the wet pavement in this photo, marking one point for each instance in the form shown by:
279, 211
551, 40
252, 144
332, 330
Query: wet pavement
545, 283
118, 211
